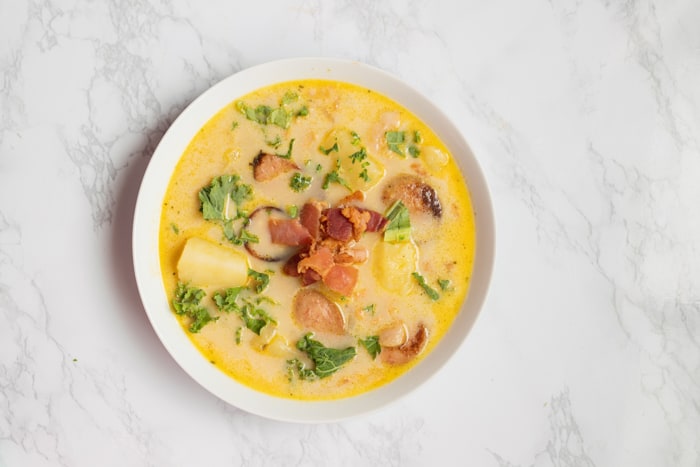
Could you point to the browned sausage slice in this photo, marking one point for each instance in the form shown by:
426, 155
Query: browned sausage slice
415, 194
407, 351
312, 310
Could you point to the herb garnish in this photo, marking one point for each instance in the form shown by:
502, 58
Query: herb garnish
254, 318
334, 177
358, 156
432, 293
329, 150
217, 201
326, 360
186, 302
299, 182
260, 280
394, 139
293, 211
371, 344
280, 116
398, 229
288, 155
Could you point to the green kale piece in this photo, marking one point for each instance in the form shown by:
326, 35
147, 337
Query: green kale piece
371, 344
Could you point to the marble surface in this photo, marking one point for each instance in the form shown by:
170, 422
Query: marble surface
585, 116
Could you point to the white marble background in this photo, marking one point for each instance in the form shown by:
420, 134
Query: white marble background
585, 115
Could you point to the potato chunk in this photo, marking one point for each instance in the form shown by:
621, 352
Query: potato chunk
360, 170
203, 263
393, 264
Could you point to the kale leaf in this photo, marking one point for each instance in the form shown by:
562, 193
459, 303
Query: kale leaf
186, 302
371, 344
326, 360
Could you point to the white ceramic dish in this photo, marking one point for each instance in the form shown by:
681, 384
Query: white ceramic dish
147, 218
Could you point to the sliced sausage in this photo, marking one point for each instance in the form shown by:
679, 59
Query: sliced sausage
409, 350
415, 194
268, 166
313, 310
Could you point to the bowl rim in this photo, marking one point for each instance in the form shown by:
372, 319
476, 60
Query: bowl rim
147, 219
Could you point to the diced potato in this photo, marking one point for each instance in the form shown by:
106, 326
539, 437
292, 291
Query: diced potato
435, 158
278, 347
203, 263
393, 264
363, 173
353, 172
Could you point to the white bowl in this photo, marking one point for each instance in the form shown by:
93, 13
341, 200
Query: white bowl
147, 218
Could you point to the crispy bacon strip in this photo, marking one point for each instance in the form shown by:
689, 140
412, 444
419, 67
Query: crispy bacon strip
358, 218
310, 218
341, 278
288, 232
337, 225
320, 261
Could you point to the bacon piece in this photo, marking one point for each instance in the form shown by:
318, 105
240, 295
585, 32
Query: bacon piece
341, 278
358, 218
338, 226
356, 195
376, 222
310, 217
291, 267
320, 261
310, 277
268, 166
288, 232
352, 255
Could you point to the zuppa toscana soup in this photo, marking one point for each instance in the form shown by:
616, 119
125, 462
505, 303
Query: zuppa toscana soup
316, 240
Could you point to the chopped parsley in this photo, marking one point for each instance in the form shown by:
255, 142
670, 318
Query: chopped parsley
444, 284
289, 97
432, 293
394, 139
364, 175
279, 116
334, 177
288, 155
358, 156
370, 308
293, 211
274, 142
299, 182
186, 302
329, 150
260, 280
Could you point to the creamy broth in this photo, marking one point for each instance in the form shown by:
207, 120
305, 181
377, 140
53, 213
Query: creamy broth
387, 296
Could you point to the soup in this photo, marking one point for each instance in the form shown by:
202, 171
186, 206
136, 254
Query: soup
316, 240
